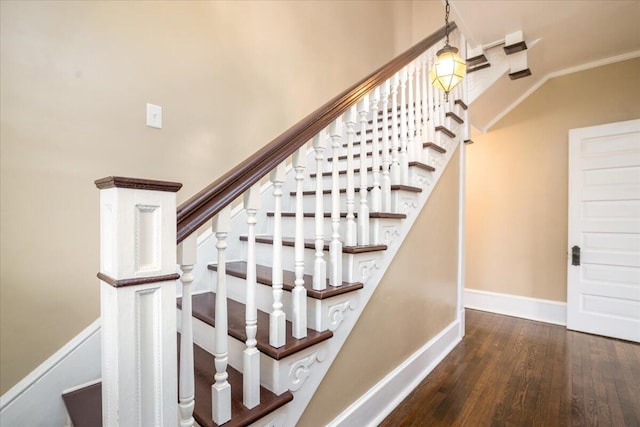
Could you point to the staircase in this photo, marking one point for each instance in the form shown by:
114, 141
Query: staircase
272, 286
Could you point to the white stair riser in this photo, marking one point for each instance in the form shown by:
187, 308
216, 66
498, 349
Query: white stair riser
350, 262
319, 313
288, 223
277, 376
309, 203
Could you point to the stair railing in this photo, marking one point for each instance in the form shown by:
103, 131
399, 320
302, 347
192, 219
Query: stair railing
139, 225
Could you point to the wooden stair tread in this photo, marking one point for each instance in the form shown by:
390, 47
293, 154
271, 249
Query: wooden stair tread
461, 103
434, 147
355, 155
370, 153
455, 117
204, 309
240, 415
445, 131
342, 172
369, 169
310, 244
357, 189
264, 276
389, 215
421, 165
84, 405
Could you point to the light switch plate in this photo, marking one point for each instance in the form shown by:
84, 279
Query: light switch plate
154, 116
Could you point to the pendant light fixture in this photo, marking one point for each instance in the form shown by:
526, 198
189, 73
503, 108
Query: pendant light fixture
449, 68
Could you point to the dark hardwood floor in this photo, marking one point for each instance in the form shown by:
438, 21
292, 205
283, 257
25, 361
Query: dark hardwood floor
515, 372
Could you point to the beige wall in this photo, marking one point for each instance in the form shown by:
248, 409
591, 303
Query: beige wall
75, 77
415, 300
517, 180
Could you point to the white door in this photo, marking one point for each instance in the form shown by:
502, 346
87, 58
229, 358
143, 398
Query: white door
603, 291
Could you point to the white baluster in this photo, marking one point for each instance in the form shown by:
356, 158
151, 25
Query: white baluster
404, 163
319, 264
376, 193
277, 318
386, 178
417, 142
431, 108
395, 161
335, 248
221, 389
251, 359
186, 393
363, 210
411, 124
299, 293
425, 101
351, 230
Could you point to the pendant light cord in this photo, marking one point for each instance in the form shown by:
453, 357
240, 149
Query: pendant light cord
446, 20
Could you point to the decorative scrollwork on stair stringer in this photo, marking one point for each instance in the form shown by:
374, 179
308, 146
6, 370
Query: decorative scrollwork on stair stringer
299, 370
337, 312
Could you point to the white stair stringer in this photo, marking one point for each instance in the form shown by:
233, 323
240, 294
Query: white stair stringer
302, 372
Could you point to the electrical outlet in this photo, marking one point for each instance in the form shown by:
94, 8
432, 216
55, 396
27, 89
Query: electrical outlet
154, 116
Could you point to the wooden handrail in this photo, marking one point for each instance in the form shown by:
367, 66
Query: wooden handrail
200, 208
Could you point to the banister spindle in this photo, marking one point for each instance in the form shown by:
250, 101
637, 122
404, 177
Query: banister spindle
277, 318
299, 293
251, 357
335, 248
425, 102
411, 124
319, 264
376, 192
363, 209
386, 178
186, 387
395, 161
417, 142
404, 161
351, 230
431, 108
221, 389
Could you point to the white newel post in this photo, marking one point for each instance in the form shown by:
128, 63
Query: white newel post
138, 301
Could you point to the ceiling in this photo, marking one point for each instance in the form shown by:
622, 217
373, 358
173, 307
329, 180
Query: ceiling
578, 33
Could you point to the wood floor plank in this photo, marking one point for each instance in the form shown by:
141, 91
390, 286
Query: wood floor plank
516, 372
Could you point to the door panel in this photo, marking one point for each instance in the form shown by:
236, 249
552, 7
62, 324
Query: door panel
603, 292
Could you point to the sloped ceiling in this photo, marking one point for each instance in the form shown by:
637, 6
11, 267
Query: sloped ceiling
572, 34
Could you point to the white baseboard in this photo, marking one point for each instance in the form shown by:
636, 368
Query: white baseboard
37, 399
378, 402
542, 310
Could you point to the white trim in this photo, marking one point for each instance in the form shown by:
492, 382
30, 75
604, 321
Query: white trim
378, 402
542, 310
564, 72
36, 399
461, 233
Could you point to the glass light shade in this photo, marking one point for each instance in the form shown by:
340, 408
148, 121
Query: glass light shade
449, 69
